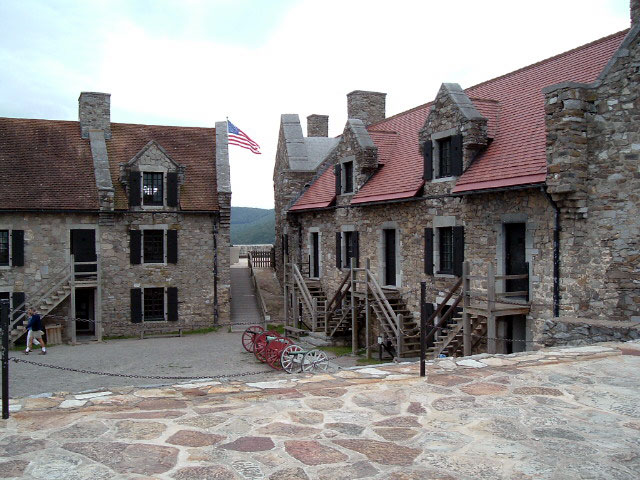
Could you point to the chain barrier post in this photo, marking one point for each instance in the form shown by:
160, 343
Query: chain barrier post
423, 328
4, 319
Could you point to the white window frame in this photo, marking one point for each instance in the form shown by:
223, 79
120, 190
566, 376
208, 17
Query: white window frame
153, 169
438, 223
310, 250
165, 306
10, 246
435, 155
164, 229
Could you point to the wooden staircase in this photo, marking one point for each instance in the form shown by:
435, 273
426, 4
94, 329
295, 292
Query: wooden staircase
409, 343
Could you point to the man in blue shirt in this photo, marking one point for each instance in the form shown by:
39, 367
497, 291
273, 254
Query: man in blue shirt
35, 325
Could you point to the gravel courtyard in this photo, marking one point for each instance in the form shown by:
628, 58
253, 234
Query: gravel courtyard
203, 356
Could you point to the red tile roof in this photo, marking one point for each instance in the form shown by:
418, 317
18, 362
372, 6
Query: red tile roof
45, 164
514, 107
194, 148
320, 194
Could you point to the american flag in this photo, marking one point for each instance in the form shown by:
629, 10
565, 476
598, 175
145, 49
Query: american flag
241, 139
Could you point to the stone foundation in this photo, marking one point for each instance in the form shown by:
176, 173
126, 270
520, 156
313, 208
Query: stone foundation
582, 331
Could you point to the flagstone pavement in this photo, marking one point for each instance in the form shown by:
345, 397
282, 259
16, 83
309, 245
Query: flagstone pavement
562, 413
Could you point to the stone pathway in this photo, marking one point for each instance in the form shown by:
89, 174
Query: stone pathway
244, 305
565, 413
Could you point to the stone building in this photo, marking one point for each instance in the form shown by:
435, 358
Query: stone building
533, 174
124, 225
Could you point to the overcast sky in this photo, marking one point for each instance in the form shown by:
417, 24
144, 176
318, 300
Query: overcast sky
195, 62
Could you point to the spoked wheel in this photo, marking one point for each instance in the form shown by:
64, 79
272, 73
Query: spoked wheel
274, 350
249, 337
315, 361
290, 361
260, 347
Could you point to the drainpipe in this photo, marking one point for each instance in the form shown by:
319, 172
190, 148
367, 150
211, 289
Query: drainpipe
556, 254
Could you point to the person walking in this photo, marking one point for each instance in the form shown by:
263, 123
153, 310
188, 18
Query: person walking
35, 326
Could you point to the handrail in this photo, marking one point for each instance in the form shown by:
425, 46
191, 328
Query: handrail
58, 278
446, 316
332, 306
381, 299
256, 287
302, 286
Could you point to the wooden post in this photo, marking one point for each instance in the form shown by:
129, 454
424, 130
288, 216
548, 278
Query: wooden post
286, 292
314, 313
423, 327
367, 308
354, 320
466, 303
294, 300
98, 301
399, 341
491, 304
72, 282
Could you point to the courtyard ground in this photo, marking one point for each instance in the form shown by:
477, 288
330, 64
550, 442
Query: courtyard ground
564, 413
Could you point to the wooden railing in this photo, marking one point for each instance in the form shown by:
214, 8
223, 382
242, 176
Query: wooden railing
335, 302
256, 287
263, 258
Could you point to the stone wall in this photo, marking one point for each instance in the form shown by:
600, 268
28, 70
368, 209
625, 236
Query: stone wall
47, 251
593, 149
580, 331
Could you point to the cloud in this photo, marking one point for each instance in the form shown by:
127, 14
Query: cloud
307, 61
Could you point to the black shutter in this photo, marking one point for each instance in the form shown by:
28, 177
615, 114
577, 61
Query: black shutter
135, 246
19, 307
456, 155
427, 155
172, 246
338, 250
458, 250
337, 170
17, 248
134, 189
172, 189
172, 304
285, 245
428, 251
136, 305
355, 248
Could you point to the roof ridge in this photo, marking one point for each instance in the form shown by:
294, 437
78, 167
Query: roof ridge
553, 57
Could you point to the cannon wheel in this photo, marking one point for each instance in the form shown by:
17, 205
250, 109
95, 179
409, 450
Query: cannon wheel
315, 361
274, 350
291, 363
249, 337
261, 343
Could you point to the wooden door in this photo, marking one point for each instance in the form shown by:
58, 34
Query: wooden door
315, 255
83, 248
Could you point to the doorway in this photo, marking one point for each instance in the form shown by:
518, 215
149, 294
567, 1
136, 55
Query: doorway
389, 256
314, 269
515, 256
83, 249
85, 311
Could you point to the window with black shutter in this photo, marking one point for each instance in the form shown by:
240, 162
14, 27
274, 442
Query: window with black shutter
134, 189
152, 189
337, 171
427, 156
456, 155
136, 305
356, 249
172, 189
135, 247
338, 250
172, 246
172, 304
153, 304
17, 248
428, 251
348, 248
458, 250
348, 177
446, 250
4, 248
153, 246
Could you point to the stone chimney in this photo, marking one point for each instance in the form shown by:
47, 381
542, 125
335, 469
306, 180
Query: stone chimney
94, 112
635, 12
318, 125
366, 106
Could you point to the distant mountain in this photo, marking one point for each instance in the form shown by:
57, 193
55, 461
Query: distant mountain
252, 226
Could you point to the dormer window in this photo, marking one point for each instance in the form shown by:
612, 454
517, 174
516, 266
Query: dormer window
152, 189
347, 168
444, 154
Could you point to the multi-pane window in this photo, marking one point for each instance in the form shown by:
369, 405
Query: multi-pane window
446, 250
4, 247
153, 246
152, 189
153, 304
348, 177
444, 148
